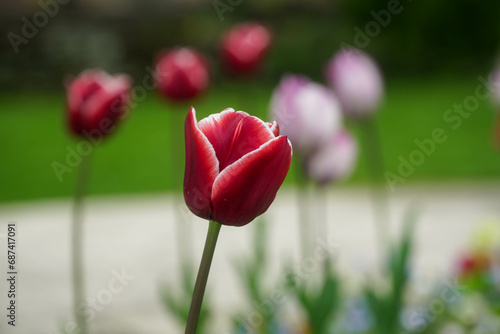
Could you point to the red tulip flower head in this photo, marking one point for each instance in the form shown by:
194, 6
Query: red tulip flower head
244, 47
96, 102
235, 164
182, 74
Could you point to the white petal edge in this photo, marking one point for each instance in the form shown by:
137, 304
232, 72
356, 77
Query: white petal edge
214, 161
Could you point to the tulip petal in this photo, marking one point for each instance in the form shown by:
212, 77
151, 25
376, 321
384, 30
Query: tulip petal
202, 167
182, 73
275, 128
247, 188
334, 160
219, 130
78, 91
250, 134
102, 109
234, 134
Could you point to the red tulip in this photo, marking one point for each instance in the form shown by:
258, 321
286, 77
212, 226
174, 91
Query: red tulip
235, 164
474, 263
182, 74
244, 47
96, 101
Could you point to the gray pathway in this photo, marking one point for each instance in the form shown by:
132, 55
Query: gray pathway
131, 250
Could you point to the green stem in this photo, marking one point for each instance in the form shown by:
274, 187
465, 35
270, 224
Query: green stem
77, 243
176, 115
375, 164
321, 202
175, 121
201, 280
302, 205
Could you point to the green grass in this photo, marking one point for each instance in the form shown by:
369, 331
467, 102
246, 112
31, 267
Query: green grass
136, 158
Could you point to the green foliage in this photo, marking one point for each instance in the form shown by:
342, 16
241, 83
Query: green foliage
387, 307
428, 35
321, 304
177, 303
33, 136
252, 272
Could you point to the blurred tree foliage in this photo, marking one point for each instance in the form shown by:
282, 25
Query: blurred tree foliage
425, 36
429, 35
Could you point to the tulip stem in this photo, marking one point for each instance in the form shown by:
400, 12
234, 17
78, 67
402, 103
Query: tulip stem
176, 122
77, 243
304, 212
321, 201
375, 164
201, 280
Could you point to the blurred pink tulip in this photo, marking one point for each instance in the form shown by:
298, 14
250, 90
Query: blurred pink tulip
308, 113
244, 47
182, 74
495, 85
357, 81
95, 102
334, 160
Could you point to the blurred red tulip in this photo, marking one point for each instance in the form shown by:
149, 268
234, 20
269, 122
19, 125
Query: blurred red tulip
243, 48
96, 101
235, 164
470, 264
182, 74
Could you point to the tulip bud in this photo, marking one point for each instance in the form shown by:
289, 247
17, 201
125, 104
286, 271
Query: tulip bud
235, 164
182, 74
357, 81
96, 102
308, 113
244, 47
334, 160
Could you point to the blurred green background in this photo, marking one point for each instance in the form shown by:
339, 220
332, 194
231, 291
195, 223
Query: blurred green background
431, 53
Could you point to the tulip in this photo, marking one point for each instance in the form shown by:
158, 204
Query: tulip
308, 113
182, 74
472, 264
244, 47
235, 164
96, 102
357, 81
334, 160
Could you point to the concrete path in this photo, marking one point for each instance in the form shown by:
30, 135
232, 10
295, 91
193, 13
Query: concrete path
131, 250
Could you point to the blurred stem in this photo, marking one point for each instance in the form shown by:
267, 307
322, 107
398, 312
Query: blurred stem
375, 165
302, 205
77, 242
322, 211
201, 280
248, 97
176, 115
